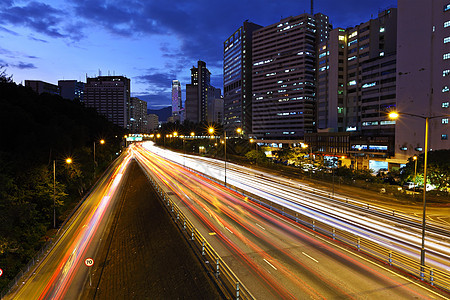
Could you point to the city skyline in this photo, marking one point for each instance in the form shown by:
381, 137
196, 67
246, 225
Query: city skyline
150, 44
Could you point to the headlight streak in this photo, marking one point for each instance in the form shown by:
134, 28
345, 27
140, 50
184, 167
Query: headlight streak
183, 176
344, 218
62, 277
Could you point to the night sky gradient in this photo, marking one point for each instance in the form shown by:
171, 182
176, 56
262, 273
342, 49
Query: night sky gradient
151, 42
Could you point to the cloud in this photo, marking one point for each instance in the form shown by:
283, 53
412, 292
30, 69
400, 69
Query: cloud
40, 17
22, 65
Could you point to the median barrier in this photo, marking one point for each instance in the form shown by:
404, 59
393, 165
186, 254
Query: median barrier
228, 283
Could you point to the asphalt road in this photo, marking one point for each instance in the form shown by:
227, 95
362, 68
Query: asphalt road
274, 258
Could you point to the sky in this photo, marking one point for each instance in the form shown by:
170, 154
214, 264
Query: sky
152, 42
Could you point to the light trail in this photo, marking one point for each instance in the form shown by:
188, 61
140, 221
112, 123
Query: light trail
256, 233
54, 276
396, 233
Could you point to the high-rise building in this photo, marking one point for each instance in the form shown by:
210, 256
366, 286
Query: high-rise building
356, 80
423, 76
177, 103
110, 96
152, 122
284, 72
196, 104
42, 87
71, 89
237, 79
138, 115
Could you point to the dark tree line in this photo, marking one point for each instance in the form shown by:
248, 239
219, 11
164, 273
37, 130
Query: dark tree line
36, 130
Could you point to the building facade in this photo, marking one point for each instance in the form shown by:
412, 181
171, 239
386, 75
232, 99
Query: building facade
356, 83
196, 104
138, 115
177, 103
110, 96
284, 76
423, 76
237, 79
71, 89
42, 87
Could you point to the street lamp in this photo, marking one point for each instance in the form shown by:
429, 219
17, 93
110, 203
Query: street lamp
101, 142
415, 174
395, 115
68, 161
238, 130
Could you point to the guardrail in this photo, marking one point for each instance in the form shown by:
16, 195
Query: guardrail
434, 276
226, 280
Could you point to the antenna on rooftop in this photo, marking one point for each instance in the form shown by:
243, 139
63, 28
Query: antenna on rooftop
312, 7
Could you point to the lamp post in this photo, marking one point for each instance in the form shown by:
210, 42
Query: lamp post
68, 161
394, 115
95, 162
415, 174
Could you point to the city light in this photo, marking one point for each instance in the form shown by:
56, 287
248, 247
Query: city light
68, 160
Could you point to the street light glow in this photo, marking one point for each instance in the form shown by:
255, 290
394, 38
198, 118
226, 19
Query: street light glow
192, 133
68, 160
211, 130
175, 134
102, 142
239, 130
393, 115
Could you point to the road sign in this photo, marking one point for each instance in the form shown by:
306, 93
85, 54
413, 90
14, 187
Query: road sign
1, 272
89, 262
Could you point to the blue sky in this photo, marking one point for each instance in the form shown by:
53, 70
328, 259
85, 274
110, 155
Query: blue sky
151, 42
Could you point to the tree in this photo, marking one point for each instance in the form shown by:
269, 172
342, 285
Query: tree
257, 156
3, 77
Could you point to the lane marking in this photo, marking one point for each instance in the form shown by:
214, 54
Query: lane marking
260, 226
269, 264
230, 207
312, 258
396, 274
229, 230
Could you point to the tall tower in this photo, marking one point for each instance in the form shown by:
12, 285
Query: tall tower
284, 64
177, 104
237, 80
197, 93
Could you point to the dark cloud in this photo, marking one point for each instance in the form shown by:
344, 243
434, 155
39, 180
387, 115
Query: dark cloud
22, 65
155, 101
37, 39
37, 16
8, 31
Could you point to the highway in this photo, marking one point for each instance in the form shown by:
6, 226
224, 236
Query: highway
274, 258
399, 232
62, 274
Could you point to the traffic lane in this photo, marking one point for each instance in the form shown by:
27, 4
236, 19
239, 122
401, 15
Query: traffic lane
60, 259
271, 262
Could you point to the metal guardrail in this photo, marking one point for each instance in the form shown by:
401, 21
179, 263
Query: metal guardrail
227, 281
434, 276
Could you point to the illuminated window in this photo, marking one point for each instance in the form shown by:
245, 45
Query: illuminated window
446, 56
446, 24
445, 89
341, 37
447, 7
353, 82
444, 137
445, 73
381, 29
403, 148
445, 104
445, 121
447, 40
